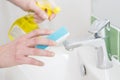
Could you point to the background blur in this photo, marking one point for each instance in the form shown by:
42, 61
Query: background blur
107, 9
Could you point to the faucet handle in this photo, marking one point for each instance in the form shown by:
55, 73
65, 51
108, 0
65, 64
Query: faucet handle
98, 25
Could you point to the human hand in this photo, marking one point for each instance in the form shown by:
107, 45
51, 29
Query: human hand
18, 51
30, 5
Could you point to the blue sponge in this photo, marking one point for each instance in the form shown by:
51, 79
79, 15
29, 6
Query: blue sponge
58, 36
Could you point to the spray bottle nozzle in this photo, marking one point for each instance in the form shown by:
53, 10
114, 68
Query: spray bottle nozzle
48, 8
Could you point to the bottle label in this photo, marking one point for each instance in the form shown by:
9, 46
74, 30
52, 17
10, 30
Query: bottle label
16, 31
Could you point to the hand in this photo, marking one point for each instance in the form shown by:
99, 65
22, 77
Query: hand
30, 5
17, 52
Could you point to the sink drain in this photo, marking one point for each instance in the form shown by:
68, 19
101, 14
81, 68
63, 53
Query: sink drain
82, 70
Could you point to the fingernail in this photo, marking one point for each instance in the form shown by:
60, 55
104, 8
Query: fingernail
52, 54
41, 64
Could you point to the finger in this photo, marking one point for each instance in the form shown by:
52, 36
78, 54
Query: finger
40, 41
38, 11
38, 19
39, 52
38, 32
31, 61
51, 17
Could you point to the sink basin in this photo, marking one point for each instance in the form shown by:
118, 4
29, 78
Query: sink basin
88, 56
65, 65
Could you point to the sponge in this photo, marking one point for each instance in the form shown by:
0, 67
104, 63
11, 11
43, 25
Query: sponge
59, 36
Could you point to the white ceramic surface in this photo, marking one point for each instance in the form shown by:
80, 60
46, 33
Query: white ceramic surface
65, 66
88, 57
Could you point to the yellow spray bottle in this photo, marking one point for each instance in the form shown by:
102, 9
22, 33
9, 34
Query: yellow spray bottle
26, 24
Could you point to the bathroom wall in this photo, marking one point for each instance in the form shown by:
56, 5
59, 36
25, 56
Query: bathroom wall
3, 27
3, 22
113, 42
75, 14
109, 9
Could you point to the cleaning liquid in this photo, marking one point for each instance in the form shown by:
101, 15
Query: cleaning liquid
26, 24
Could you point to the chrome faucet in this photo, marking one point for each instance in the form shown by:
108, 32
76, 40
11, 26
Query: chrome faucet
96, 41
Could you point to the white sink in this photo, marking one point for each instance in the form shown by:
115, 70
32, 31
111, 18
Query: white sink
88, 56
66, 65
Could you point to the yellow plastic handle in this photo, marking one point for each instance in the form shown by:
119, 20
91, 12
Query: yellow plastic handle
48, 8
